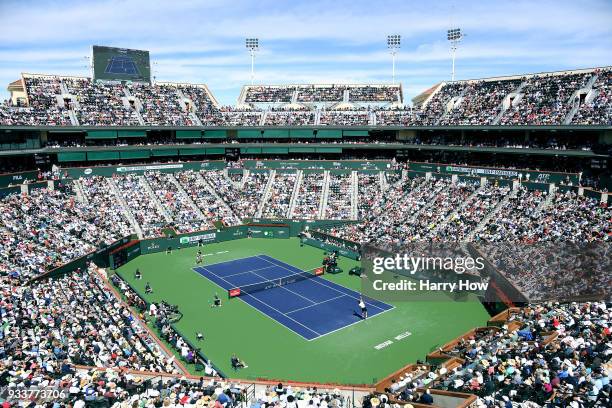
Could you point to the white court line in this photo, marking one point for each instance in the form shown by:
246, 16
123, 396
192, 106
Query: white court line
354, 323
330, 287
238, 259
251, 271
316, 304
283, 287
289, 317
260, 301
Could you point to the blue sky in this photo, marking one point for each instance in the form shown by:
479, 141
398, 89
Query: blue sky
305, 41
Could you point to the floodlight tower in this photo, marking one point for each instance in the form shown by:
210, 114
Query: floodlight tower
454, 35
154, 71
252, 44
393, 43
89, 66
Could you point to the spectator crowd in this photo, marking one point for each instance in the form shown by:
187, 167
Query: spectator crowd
580, 97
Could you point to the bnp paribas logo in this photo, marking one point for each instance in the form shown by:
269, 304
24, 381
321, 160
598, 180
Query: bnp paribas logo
449, 168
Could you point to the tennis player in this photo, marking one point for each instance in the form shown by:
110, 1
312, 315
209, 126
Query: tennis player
216, 301
364, 309
199, 257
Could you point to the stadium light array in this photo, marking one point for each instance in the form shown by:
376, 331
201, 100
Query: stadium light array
154, 70
252, 44
454, 35
393, 43
89, 65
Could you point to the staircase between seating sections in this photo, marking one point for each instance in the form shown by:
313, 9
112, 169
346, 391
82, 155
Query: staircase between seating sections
202, 181
574, 100
296, 192
317, 120
182, 192
137, 105
383, 181
502, 106
190, 113
428, 205
546, 203
236, 184
78, 189
264, 115
372, 120
458, 101
61, 103
324, 195
145, 184
124, 207
431, 95
266, 194
194, 118
245, 177
354, 195
73, 118
483, 223
453, 214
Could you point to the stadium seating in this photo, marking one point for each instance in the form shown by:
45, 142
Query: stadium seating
43, 95
242, 198
100, 104
160, 105
571, 97
340, 197
410, 209
546, 99
308, 203
528, 364
47, 228
599, 108
280, 193
176, 203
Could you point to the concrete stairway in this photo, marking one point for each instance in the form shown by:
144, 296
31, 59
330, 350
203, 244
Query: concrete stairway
458, 100
124, 207
426, 206
182, 192
546, 203
354, 195
574, 100
453, 214
204, 183
147, 187
324, 195
383, 181
266, 195
505, 103
80, 194
490, 215
137, 105
483, 223
296, 193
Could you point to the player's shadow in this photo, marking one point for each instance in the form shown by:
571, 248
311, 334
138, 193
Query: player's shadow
358, 315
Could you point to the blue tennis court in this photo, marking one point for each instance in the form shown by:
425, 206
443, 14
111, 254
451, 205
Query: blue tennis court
310, 307
122, 65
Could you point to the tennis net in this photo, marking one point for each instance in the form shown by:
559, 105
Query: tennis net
275, 283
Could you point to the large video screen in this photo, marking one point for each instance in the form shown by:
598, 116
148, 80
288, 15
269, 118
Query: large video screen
121, 64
